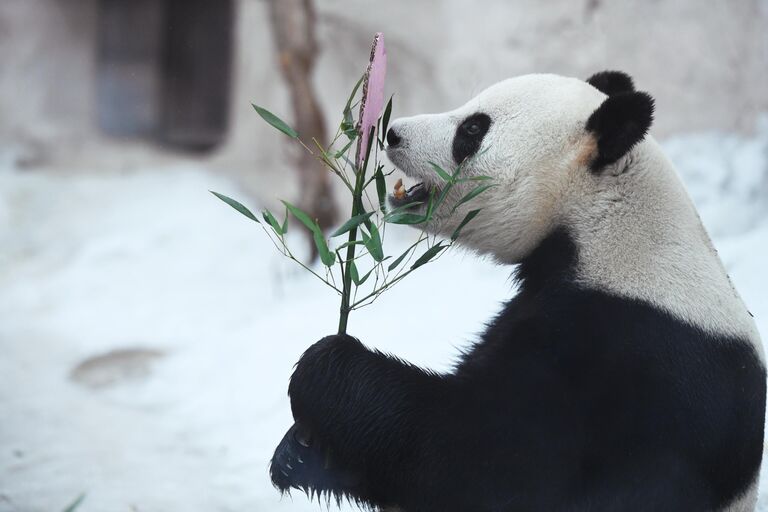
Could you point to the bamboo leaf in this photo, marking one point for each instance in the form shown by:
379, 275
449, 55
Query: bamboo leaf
348, 124
352, 269
284, 227
272, 221
373, 244
406, 207
348, 243
236, 205
326, 256
75, 504
304, 218
275, 121
352, 223
381, 189
431, 205
348, 105
441, 172
364, 278
472, 194
399, 259
355, 275
474, 178
404, 218
385, 118
344, 149
443, 194
468, 217
428, 255
394, 216
364, 151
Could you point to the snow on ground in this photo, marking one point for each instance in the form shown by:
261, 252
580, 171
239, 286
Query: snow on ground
147, 331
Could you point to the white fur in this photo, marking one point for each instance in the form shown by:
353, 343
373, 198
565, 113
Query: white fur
637, 232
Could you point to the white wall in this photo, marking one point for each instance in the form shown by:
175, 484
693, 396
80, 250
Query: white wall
706, 63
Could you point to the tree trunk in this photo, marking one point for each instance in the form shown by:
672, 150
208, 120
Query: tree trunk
293, 27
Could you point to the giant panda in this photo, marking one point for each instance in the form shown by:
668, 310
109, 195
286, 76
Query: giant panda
625, 375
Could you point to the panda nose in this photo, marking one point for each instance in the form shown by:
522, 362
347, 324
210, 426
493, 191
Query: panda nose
393, 139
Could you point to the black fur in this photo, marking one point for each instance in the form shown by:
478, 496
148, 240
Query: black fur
469, 135
574, 400
611, 82
618, 124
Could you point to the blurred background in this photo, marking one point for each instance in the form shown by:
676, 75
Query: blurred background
147, 332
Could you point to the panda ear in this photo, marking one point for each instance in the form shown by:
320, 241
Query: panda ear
618, 124
611, 82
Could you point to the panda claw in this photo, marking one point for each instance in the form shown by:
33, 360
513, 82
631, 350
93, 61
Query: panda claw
297, 466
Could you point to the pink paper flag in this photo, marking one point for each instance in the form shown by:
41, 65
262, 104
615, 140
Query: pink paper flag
373, 95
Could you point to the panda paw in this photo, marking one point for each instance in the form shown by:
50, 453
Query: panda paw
301, 463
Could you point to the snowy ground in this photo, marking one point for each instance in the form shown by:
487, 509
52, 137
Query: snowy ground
198, 322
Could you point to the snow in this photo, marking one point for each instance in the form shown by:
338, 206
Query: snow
199, 322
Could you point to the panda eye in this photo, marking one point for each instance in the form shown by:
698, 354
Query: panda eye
472, 128
469, 136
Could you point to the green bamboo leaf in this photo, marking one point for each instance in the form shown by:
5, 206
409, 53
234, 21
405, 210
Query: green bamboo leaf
443, 194
363, 279
284, 227
373, 244
399, 259
406, 207
272, 221
352, 223
344, 149
275, 121
474, 178
428, 255
348, 105
441, 172
75, 504
381, 189
404, 218
348, 243
236, 205
466, 162
348, 124
368, 148
385, 118
352, 269
431, 205
326, 256
458, 170
304, 218
468, 217
355, 275
472, 194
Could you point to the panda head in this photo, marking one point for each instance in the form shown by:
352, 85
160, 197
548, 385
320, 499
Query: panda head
548, 142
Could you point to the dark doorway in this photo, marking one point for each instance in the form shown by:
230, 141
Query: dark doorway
164, 70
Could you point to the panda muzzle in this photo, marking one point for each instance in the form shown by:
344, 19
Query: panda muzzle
403, 196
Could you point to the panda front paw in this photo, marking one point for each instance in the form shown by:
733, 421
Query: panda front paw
301, 463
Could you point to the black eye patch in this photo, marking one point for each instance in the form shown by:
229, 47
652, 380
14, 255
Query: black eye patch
469, 135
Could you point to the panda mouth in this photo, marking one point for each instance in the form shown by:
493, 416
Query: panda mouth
402, 196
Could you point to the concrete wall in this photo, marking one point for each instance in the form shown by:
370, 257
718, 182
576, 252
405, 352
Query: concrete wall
47, 58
